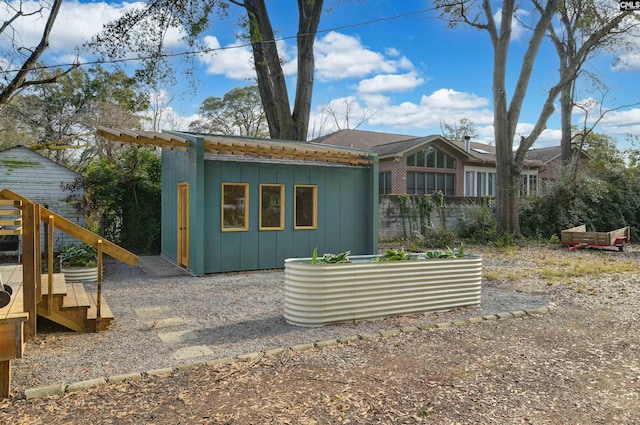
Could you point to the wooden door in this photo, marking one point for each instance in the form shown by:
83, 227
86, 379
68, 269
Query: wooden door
183, 224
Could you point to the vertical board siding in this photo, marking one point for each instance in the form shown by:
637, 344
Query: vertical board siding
338, 207
175, 169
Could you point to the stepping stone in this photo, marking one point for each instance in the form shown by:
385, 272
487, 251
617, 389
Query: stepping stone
179, 336
167, 323
193, 351
149, 311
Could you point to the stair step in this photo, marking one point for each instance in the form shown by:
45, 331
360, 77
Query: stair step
59, 284
105, 310
76, 296
74, 308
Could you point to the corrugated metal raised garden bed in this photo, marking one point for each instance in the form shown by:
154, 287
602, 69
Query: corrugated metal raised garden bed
318, 293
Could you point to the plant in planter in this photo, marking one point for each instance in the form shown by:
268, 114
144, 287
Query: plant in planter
79, 262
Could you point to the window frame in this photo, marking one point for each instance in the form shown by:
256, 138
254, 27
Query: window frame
314, 224
245, 227
281, 205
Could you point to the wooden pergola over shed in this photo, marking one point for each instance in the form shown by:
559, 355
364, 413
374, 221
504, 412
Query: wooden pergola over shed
243, 146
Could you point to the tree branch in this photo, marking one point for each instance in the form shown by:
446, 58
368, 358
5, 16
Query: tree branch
19, 79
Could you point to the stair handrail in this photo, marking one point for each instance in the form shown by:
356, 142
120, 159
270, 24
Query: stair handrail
80, 233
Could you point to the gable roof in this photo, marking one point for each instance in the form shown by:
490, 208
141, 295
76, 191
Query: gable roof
388, 145
479, 152
244, 146
545, 155
402, 147
38, 161
360, 139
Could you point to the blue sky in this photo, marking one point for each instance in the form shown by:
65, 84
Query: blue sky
405, 71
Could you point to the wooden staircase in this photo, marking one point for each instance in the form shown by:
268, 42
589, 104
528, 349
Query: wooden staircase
72, 306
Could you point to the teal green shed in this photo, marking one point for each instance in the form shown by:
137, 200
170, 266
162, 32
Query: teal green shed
236, 204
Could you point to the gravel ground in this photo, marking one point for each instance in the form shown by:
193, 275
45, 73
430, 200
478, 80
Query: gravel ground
578, 364
225, 315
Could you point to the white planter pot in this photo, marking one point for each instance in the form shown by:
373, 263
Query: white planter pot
80, 274
319, 294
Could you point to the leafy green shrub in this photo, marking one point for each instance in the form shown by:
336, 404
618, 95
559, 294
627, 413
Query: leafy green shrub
481, 226
439, 237
79, 256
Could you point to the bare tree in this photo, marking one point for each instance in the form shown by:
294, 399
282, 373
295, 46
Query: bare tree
19, 59
458, 131
593, 112
342, 114
585, 28
507, 112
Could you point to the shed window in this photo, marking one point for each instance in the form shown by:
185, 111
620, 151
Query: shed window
306, 207
235, 207
271, 207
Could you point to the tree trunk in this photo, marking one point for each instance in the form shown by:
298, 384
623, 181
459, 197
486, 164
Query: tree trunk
284, 123
566, 106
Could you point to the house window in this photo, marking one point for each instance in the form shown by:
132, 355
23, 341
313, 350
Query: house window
306, 207
479, 183
491, 188
271, 207
235, 207
419, 183
431, 157
384, 183
469, 178
528, 184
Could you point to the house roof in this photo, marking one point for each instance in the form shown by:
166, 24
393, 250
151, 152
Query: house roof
360, 139
22, 150
388, 145
402, 147
244, 146
480, 152
546, 155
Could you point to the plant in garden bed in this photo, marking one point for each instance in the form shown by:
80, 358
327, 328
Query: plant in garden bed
327, 258
79, 256
394, 255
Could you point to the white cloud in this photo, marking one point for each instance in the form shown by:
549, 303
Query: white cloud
390, 83
548, 138
339, 56
517, 30
627, 62
77, 23
442, 105
451, 99
233, 62
622, 123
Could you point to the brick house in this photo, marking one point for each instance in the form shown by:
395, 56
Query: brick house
422, 165
551, 161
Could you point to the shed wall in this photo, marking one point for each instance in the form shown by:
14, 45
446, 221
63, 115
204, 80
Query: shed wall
343, 215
